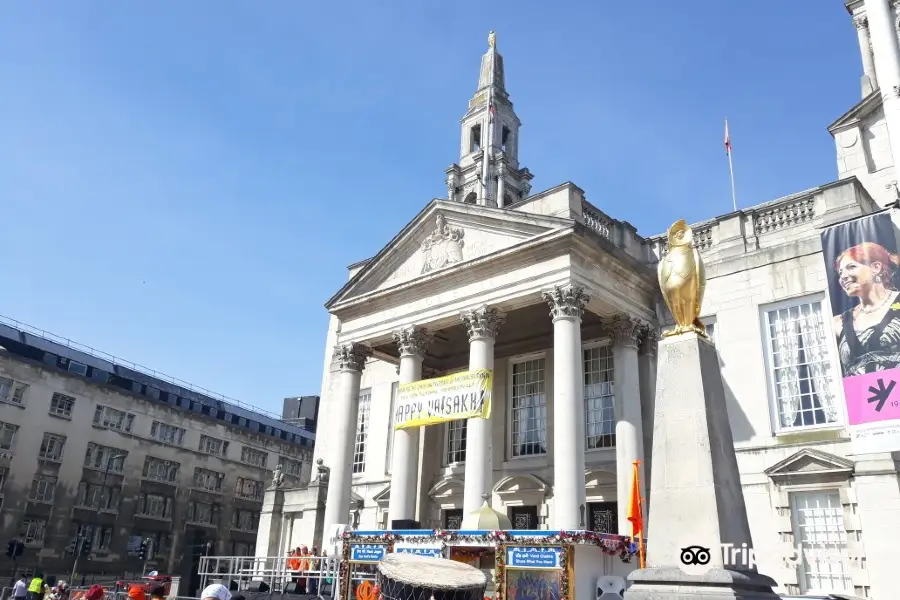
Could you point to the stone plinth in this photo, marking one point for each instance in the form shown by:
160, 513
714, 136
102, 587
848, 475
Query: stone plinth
696, 499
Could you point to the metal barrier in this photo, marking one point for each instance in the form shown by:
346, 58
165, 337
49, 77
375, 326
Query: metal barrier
318, 575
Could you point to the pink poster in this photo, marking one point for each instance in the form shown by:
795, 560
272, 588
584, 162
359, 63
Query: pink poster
863, 268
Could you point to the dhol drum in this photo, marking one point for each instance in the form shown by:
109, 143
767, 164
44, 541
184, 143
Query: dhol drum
412, 577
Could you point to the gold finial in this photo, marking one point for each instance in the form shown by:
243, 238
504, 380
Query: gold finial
492, 39
682, 280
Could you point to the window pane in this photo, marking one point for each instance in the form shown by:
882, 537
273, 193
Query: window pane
599, 398
529, 408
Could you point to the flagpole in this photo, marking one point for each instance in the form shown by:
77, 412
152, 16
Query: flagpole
730, 165
641, 558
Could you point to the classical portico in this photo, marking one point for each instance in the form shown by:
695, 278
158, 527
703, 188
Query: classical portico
546, 291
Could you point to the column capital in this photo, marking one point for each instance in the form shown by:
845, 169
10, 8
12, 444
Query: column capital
566, 301
482, 322
861, 22
625, 330
351, 356
648, 341
412, 340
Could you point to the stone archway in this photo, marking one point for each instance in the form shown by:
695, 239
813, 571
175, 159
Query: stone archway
524, 500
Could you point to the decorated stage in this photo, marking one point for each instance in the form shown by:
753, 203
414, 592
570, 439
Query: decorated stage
521, 565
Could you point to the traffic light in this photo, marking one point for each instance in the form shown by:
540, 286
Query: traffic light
20, 548
11, 549
86, 546
143, 551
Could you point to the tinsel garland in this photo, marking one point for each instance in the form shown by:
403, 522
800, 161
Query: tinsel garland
609, 544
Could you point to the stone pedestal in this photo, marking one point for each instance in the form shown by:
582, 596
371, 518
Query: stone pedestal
696, 501
268, 535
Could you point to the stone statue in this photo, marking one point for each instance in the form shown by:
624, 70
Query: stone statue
321, 471
442, 247
682, 280
277, 478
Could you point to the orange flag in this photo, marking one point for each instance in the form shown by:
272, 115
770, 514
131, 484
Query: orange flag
635, 511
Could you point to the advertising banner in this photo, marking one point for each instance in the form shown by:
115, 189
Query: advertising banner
451, 398
367, 553
863, 282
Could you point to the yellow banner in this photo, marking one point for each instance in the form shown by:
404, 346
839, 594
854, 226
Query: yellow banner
451, 398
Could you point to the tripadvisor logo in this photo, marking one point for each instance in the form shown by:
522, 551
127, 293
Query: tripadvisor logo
696, 559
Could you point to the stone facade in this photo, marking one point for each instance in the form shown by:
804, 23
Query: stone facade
178, 475
573, 389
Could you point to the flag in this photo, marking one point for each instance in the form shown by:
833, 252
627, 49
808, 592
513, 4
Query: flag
635, 514
727, 139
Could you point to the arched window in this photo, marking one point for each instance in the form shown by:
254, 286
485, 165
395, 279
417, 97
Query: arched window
471, 198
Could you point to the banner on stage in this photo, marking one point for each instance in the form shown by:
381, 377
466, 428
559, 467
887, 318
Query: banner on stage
863, 287
451, 398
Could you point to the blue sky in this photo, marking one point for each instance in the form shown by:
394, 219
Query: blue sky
183, 183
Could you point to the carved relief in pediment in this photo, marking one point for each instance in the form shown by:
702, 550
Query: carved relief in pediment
444, 246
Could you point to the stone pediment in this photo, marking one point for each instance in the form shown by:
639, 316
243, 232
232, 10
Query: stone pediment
860, 110
443, 236
810, 466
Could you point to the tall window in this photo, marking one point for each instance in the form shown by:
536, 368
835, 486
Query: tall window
362, 431
12, 391
106, 416
52, 447
244, 520
819, 531
61, 405
32, 531
395, 387
157, 469
43, 488
290, 466
92, 495
7, 435
210, 481
155, 505
254, 457
528, 409
168, 434
456, 442
599, 398
249, 488
99, 536
204, 513
800, 369
214, 446
103, 457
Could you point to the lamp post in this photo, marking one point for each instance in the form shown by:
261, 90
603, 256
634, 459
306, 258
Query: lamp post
80, 539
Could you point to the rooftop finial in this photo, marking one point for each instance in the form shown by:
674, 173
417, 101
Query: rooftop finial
492, 39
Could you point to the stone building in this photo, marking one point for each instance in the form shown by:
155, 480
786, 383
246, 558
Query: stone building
468, 283
96, 447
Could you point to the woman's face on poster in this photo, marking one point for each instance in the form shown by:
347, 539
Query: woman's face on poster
856, 277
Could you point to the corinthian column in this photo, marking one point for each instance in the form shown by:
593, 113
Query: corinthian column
351, 359
626, 332
566, 308
869, 81
885, 47
412, 342
647, 377
482, 325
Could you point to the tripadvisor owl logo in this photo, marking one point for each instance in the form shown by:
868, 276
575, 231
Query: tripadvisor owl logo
697, 559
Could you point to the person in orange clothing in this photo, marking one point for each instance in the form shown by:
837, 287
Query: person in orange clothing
303, 567
136, 592
293, 564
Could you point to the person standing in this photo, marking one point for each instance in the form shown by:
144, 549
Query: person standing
20, 589
36, 587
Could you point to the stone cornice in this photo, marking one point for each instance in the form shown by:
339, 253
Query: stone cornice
351, 356
566, 302
412, 340
482, 322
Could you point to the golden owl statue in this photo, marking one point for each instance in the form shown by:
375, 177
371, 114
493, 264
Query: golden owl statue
682, 280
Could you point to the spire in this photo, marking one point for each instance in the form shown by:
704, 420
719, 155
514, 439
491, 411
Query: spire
488, 172
492, 67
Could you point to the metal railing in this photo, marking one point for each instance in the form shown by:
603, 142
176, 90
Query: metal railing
318, 575
132, 365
